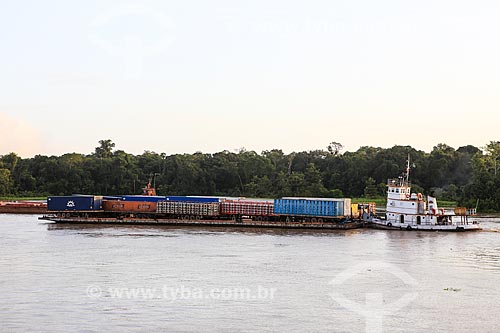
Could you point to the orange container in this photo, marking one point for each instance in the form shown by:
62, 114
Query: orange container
460, 211
128, 206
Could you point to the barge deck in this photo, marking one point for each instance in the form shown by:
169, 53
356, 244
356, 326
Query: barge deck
22, 207
216, 223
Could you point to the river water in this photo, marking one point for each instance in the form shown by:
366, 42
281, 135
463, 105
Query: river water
57, 278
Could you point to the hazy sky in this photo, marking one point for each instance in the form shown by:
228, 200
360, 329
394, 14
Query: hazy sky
190, 76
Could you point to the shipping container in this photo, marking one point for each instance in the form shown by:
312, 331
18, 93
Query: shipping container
188, 208
191, 199
355, 210
74, 203
371, 208
460, 211
321, 199
248, 208
108, 197
148, 198
129, 206
320, 207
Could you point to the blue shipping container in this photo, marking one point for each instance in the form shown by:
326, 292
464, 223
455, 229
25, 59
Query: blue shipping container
309, 207
192, 199
142, 198
74, 203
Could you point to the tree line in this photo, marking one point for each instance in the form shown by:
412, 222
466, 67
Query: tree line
465, 175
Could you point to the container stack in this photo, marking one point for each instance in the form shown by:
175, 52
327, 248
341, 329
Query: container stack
188, 208
247, 208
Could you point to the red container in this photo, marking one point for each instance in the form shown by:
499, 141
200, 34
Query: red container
128, 206
248, 208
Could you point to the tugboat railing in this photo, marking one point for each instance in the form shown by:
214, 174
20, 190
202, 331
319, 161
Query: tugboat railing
398, 182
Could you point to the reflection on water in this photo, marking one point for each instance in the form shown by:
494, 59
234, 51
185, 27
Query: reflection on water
92, 278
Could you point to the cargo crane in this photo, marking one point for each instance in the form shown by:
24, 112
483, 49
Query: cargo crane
148, 190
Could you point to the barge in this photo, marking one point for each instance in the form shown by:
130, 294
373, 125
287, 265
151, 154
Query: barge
246, 223
150, 209
23, 207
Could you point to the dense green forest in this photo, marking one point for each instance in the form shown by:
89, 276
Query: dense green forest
465, 175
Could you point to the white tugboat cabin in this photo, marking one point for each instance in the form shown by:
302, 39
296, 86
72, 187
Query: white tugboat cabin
411, 211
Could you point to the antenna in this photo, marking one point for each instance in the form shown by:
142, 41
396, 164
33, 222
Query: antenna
408, 169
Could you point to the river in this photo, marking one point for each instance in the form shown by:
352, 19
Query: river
60, 278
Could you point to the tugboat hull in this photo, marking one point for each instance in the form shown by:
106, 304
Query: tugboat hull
382, 224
